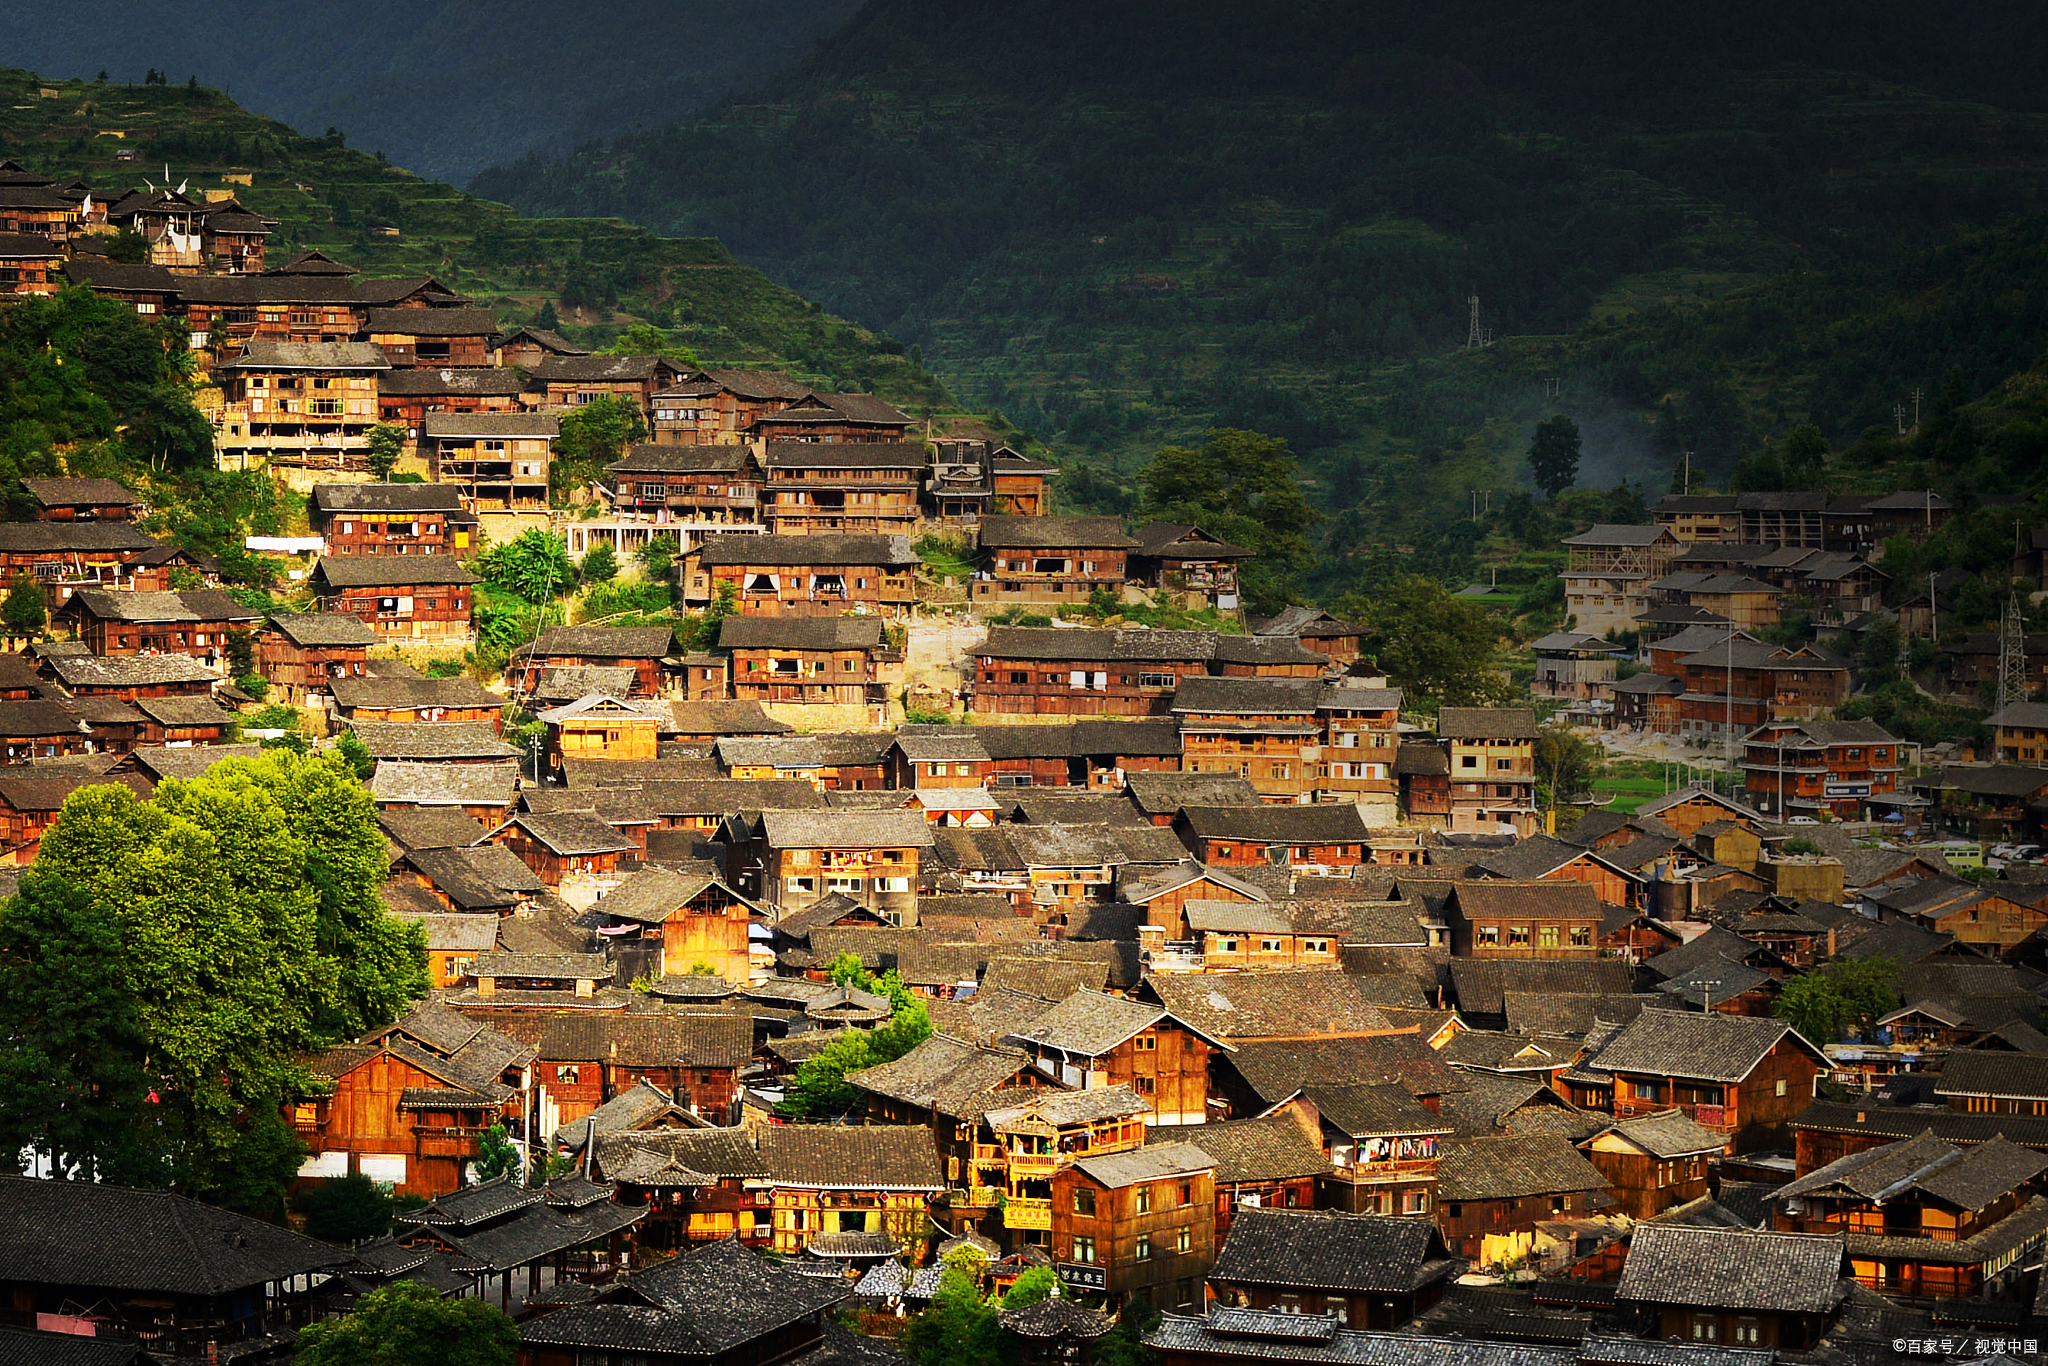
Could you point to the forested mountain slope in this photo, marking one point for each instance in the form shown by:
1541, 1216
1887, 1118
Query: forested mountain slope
442, 86
1123, 224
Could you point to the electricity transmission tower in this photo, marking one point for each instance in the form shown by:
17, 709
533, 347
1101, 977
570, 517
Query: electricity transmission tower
2012, 655
1473, 335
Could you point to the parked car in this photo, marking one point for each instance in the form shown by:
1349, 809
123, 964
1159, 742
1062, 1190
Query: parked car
1802, 820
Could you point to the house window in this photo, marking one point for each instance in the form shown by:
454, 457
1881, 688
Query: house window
1315, 946
1781, 1086
1145, 1043
1187, 1193
1582, 936
1706, 1328
1546, 936
1084, 1251
1084, 1201
1748, 1332
1142, 1249
1488, 935
1469, 761
1226, 946
1518, 934
1144, 1199
1142, 1085
1184, 1240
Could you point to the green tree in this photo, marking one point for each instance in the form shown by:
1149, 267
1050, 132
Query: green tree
594, 436
533, 565
821, 1088
360, 761
345, 1209
407, 1324
600, 563
252, 933
387, 444
659, 554
1554, 454
1244, 487
26, 611
959, 1328
495, 1156
645, 339
1435, 645
1846, 996
1039, 1283
1566, 766
74, 1075
547, 319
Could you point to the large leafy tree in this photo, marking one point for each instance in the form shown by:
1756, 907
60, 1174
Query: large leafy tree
74, 1074
406, 1324
1244, 487
532, 565
251, 931
1554, 454
1847, 995
1437, 647
81, 372
26, 609
593, 436
821, 1087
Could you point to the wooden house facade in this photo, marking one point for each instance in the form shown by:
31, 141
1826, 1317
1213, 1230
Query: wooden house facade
802, 576
1053, 560
404, 597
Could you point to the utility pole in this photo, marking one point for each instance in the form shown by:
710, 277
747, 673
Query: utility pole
1688, 472
1916, 410
1899, 417
2012, 656
1933, 611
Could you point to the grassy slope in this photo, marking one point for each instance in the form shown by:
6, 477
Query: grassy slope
728, 313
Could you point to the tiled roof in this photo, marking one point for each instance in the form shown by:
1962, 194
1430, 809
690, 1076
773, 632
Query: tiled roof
433, 740
636, 1040
706, 1303
1321, 823
800, 633
89, 671
880, 551
1669, 1133
1271, 1148
1698, 1047
845, 830
863, 1158
381, 571
1561, 899
83, 1233
1330, 1252
1167, 793
1089, 1023
1481, 984
605, 642
1149, 1163
1488, 723
1680, 1264
491, 877
1276, 1069
948, 1074
1512, 1167
1002, 532
445, 784
1231, 696
1263, 1004
322, 628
